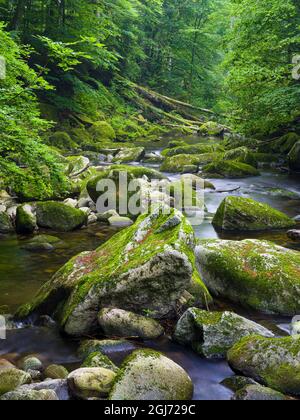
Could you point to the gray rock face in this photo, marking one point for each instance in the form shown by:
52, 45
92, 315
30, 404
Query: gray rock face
120, 323
273, 362
252, 273
212, 334
148, 375
258, 393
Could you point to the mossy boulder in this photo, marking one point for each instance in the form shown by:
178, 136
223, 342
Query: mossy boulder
133, 154
197, 149
273, 362
56, 372
245, 214
30, 395
98, 359
255, 274
281, 145
149, 375
86, 383
102, 130
294, 158
42, 243
241, 154
179, 163
6, 225
120, 323
62, 141
258, 393
10, 379
176, 143
25, 219
113, 173
229, 169
211, 128
146, 267
212, 334
59, 217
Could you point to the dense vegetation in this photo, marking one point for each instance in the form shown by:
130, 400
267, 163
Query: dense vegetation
70, 65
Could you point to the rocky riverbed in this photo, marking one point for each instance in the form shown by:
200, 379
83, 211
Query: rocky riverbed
156, 291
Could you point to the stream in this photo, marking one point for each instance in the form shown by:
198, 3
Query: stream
23, 272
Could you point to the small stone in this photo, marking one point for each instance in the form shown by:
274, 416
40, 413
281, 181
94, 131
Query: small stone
56, 372
31, 363
42, 395
118, 221
103, 217
71, 202
87, 383
10, 379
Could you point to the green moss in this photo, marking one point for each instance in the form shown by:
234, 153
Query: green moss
102, 130
211, 128
25, 220
240, 213
59, 217
242, 155
62, 141
97, 359
229, 169
176, 164
6, 225
197, 149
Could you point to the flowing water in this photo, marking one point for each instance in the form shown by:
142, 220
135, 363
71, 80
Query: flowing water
23, 272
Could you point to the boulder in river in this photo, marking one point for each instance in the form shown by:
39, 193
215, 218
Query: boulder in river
273, 362
42, 243
6, 225
241, 154
119, 323
256, 274
229, 169
258, 393
195, 149
26, 219
245, 214
59, 217
132, 154
86, 383
146, 267
294, 158
149, 375
212, 334
56, 372
10, 379
180, 163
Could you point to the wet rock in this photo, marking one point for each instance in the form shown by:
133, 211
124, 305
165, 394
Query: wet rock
89, 347
273, 362
59, 217
71, 202
103, 217
139, 269
87, 383
229, 169
92, 218
56, 372
120, 323
256, 274
26, 219
245, 214
236, 383
134, 154
258, 393
195, 149
6, 225
242, 155
10, 379
59, 386
295, 326
98, 359
42, 243
77, 165
31, 363
179, 163
212, 334
148, 375
294, 234
42, 395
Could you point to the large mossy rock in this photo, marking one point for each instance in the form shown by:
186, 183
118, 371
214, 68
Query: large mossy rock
148, 375
241, 154
59, 217
212, 128
119, 323
113, 173
6, 225
229, 169
102, 130
10, 379
197, 149
212, 334
256, 274
258, 393
272, 362
133, 154
245, 214
146, 267
62, 141
294, 158
180, 163
281, 145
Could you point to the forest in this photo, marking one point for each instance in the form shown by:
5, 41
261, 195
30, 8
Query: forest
195, 101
